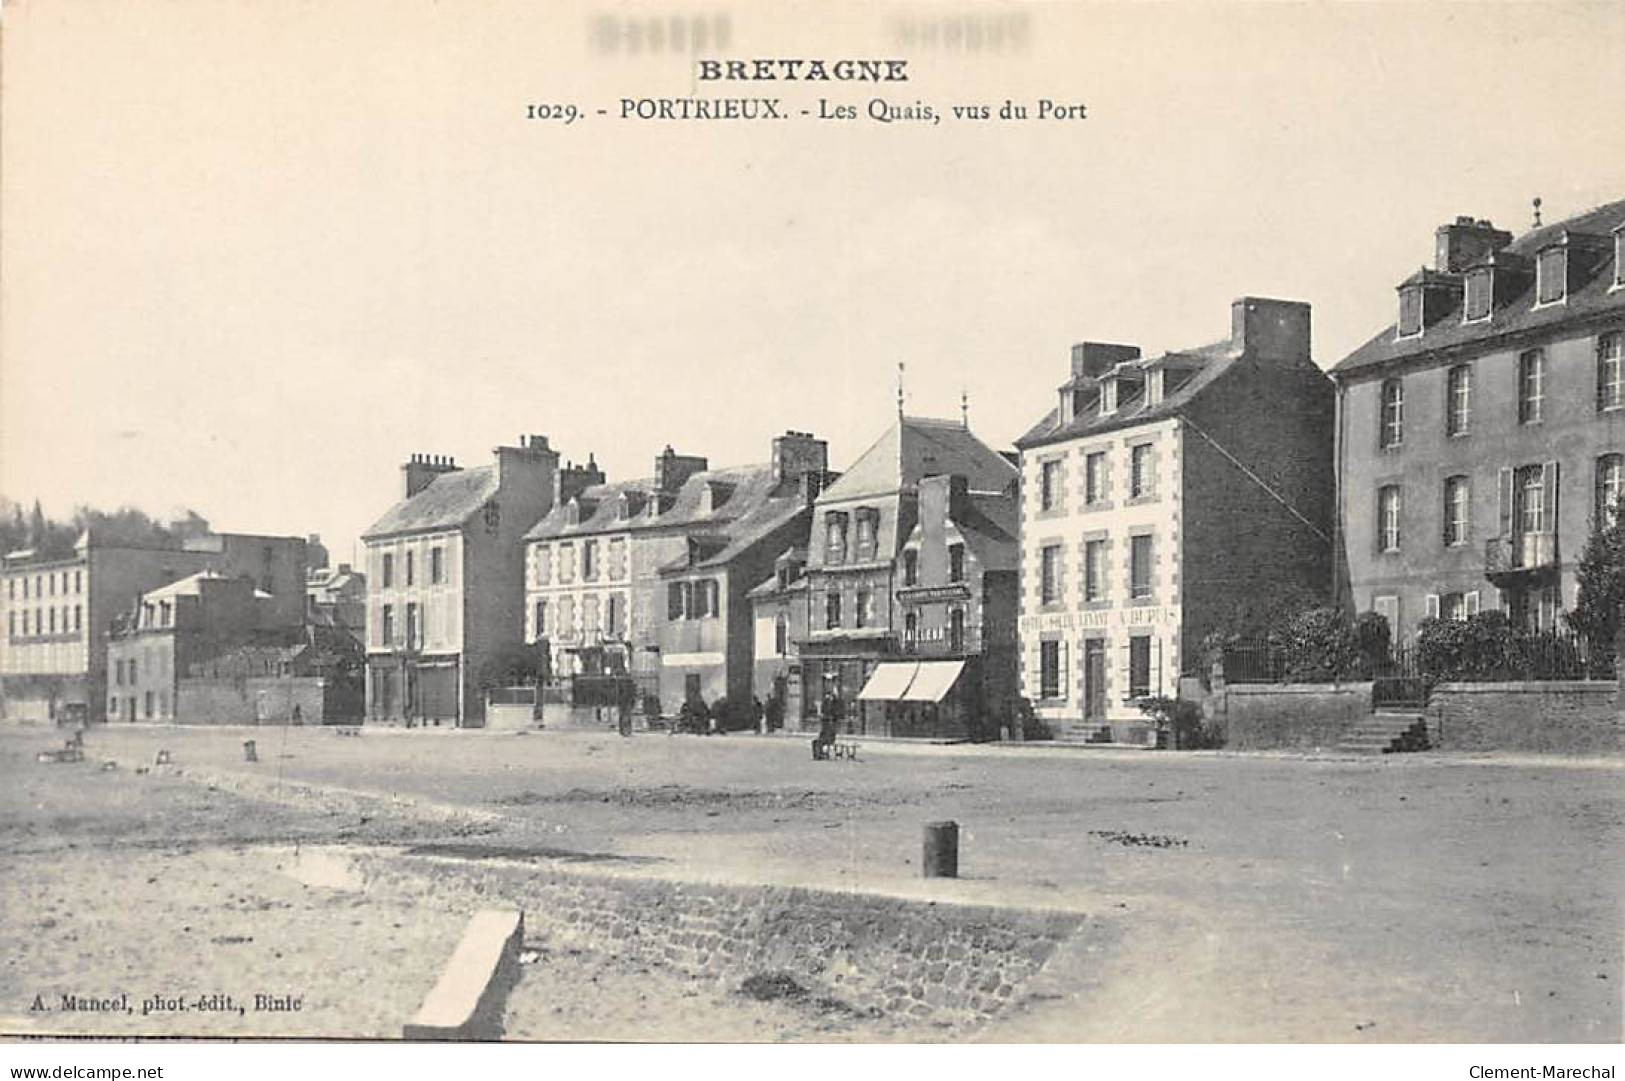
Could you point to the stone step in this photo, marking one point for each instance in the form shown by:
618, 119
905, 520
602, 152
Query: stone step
1386, 733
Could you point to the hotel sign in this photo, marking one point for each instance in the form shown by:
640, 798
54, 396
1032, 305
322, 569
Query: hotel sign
1101, 619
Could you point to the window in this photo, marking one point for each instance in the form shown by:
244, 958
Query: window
590, 616
864, 610
1611, 371
911, 567
956, 629
388, 574
541, 620
567, 617
1391, 417
1094, 478
956, 562
675, 605
1531, 386
781, 635
544, 565
1049, 574
1456, 607
1610, 487
1388, 518
835, 538
1049, 484
567, 562
11, 624
1139, 557
617, 559
78, 582
1480, 295
589, 560
414, 629
25, 622
1458, 411
78, 615
868, 521
1529, 511
832, 611
389, 624
437, 570
1094, 570
1139, 471
911, 626
1139, 666
146, 701
411, 564
1551, 269
53, 620
1049, 669
614, 616
1410, 312
1457, 510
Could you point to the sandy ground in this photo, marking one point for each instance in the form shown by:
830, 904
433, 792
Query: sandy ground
1263, 898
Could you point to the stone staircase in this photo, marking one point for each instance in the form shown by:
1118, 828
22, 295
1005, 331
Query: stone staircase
1387, 732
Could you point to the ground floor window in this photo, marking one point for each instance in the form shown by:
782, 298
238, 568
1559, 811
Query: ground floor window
1050, 679
1139, 666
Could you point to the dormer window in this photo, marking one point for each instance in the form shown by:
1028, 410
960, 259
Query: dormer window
716, 494
1108, 397
835, 537
1551, 274
868, 530
1480, 294
1619, 257
1410, 311
572, 513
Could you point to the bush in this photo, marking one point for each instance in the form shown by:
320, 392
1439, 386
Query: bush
1488, 647
1180, 724
1598, 609
1373, 641
1317, 645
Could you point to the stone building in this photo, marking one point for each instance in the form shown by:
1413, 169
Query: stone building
1163, 498
337, 596
445, 577
53, 657
610, 568
1480, 435
862, 607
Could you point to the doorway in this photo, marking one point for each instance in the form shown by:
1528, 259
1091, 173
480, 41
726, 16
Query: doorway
1094, 679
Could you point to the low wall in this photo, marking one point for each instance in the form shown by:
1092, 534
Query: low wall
1287, 716
256, 700
1564, 717
893, 957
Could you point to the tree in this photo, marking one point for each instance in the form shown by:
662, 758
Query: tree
516, 665
1596, 614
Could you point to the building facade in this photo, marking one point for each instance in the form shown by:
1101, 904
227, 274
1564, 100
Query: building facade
53, 657
445, 578
338, 596
859, 609
1481, 434
646, 579
1165, 498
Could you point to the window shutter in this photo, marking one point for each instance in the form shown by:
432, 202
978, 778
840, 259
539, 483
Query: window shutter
1433, 606
1156, 664
1035, 662
1506, 502
1472, 603
1123, 670
1063, 683
1549, 478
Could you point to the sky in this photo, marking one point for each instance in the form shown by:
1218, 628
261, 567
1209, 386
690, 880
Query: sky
255, 253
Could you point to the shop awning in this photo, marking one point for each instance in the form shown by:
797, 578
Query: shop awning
933, 681
888, 682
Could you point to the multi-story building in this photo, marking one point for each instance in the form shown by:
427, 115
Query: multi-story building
445, 577
1164, 498
169, 629
609, 568
53, 658
338, 596
861, 609
1480, 436
780, 611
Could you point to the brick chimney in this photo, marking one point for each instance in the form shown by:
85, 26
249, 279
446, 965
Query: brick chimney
1464, 242
420, 470
1091, 360
796, 454
672, 469
572, 479
1270, 330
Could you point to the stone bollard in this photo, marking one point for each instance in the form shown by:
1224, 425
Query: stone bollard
941, 850
250, 754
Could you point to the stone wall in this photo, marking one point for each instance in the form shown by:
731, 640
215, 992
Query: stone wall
1287, 716
892, 957
1563, 717
258, 700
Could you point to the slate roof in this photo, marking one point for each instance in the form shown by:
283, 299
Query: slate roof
917, 447
1593, 296
1210, 363
445, 503
752, 486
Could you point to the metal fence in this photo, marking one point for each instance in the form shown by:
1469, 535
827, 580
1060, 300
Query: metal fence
1405, 672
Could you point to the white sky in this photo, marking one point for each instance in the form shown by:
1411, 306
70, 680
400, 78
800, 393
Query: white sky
255, 254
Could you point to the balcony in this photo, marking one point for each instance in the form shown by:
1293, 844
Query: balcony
1521, 557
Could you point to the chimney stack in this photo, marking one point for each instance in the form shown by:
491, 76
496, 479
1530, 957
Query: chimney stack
796, 454
672, 469
571, 480
1465, 242
1270, 330
421, 469
1091, 360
